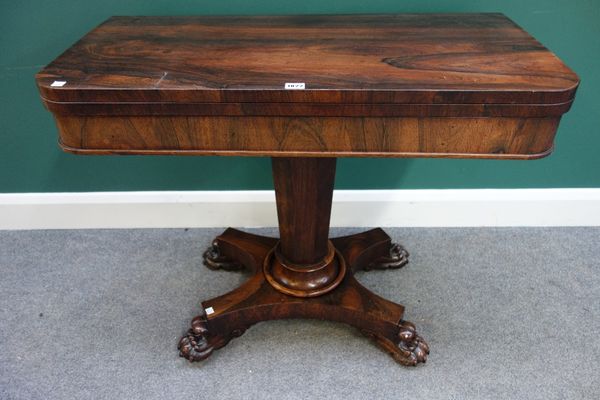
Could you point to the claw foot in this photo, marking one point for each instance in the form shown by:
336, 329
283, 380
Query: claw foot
194, 345
199, 343
214, 260
397, 258
412, 348
407, 348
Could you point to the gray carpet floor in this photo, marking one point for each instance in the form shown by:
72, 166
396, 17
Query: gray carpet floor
96, 314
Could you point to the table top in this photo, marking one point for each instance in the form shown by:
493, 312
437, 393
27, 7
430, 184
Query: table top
408, 85
342, 59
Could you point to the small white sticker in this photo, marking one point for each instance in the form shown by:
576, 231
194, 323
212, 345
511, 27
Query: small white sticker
58, 83
209, 311
294, 85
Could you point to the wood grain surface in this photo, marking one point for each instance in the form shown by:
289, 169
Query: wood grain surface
256, 300
409, 85
363, 59
305, 136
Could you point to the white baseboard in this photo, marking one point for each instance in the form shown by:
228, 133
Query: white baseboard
359, 208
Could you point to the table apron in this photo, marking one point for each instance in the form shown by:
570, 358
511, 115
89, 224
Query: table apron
498, 137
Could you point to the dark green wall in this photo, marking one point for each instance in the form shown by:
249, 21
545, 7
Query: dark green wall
32, 33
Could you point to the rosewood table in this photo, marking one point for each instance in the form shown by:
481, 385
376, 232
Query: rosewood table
305, 90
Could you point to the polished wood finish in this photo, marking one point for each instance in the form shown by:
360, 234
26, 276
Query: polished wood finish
228, 316
412, 85
523, 138
304, 263
310, 109
430, 84
363, 59
304, 190
303, 274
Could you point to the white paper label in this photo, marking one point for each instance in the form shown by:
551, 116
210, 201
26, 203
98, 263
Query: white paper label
209, 310
294, 85
58, 83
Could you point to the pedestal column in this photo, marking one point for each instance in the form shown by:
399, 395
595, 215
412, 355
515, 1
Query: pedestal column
304, 263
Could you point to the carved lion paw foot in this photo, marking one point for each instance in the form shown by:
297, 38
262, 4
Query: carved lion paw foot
199, 343
214, 260
397, 258
412, 348
194, 346
407, 348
